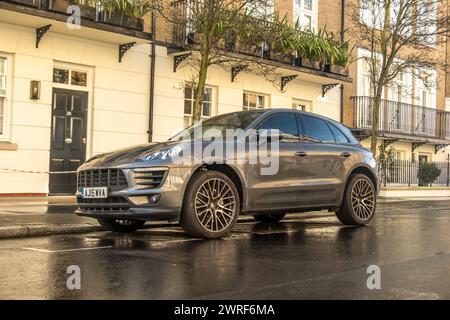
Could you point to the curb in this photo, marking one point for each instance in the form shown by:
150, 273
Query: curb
26, 231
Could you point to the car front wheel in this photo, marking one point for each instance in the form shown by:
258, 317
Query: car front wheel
121, 226
211, 205
359, 203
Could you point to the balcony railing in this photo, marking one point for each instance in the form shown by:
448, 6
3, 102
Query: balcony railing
89, 10
401, 118
185, 35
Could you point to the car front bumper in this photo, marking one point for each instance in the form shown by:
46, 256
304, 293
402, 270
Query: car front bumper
121, 204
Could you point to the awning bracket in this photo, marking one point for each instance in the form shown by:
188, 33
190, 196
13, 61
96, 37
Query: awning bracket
177, 60
418, 144
236, 70
286, 80
123, 48
40, 33
439, 147
328, 87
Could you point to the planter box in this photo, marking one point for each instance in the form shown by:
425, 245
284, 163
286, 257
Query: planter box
62, 5
30, 3
312, 64
283, 58
331, 68
119, 19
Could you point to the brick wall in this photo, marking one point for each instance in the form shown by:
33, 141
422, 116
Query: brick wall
329, 16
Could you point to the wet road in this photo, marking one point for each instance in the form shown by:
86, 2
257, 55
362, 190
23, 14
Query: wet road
300, 258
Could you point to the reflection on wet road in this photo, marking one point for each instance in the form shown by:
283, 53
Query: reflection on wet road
299, 258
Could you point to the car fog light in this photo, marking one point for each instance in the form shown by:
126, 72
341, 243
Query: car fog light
154, 199
139, 200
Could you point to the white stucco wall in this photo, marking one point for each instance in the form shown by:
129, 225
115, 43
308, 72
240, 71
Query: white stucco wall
118, 100
169, 94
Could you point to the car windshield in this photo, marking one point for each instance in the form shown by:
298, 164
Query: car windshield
218, 127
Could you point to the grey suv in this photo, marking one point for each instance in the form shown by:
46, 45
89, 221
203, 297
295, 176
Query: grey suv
314, 163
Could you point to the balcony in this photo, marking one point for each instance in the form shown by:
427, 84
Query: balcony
186, 38
401, 119
91, 11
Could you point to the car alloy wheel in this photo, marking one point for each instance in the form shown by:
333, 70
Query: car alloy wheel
363, 199
215, 205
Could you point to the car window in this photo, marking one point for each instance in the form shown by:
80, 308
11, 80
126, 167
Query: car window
317, 130
286, 123
340, 137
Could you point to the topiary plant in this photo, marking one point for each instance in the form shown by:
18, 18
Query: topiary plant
428, 173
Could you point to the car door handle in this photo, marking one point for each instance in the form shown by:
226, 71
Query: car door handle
346, 154
301, 154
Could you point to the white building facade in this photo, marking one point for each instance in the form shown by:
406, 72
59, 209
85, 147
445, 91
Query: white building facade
70, 97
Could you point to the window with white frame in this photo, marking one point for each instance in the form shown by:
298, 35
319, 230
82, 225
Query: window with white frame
425, 99
426, 24
258, 11
365, 86
372, 13
189, 100
3, 94
305, 13
253, 101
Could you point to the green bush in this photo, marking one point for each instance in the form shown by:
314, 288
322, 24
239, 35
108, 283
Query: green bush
428, 173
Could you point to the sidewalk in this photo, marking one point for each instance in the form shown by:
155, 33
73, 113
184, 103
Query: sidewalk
30, 217
27, 217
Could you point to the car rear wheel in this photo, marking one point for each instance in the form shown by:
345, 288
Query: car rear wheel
211, 205
269, 218
359, 203
121, 226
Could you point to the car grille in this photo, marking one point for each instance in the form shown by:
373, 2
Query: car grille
111, 204
149, 178
114, 179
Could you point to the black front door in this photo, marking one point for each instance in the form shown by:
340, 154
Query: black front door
68, 141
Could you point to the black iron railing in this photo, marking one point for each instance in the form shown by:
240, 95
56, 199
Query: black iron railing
185, 35
405, 172
89, 10
403, 118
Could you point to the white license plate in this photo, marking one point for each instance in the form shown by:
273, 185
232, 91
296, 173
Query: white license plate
94, 193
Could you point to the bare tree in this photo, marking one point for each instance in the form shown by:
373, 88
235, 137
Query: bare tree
217, 32
401, 36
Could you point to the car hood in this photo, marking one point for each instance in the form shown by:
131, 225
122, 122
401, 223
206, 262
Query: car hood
127, 155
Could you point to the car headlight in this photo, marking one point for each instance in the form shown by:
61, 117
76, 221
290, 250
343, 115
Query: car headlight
163, 154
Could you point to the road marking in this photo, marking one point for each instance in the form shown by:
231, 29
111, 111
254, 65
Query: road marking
67, 250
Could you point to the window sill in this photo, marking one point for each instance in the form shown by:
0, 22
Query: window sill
4, 145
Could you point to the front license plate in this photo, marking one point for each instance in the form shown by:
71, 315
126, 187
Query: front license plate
94, 193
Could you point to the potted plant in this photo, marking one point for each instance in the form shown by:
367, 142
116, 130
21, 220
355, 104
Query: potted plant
311, 52
87, 7
428, 174
337, 55
125, 13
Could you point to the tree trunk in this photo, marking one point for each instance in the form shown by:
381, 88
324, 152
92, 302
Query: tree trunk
375, 121
199, 91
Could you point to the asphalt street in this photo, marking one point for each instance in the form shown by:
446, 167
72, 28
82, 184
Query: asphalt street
300, 258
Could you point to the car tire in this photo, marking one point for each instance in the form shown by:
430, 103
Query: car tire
359, 203
121, 226
211, 205
269, 218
